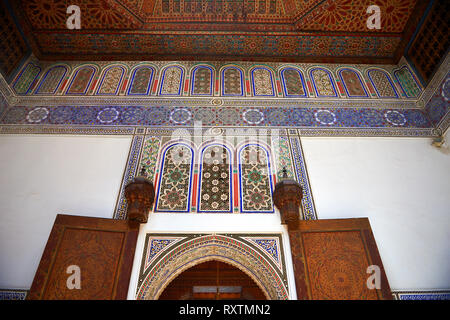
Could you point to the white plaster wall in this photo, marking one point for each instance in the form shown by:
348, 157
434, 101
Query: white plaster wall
42, 176
403, 186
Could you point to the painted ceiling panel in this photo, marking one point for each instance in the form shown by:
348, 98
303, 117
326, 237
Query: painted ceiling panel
283, 30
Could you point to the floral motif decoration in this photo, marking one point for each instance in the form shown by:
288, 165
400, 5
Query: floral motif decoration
232, 82
382, 83
81, 80
255, 179
37, 115
352, 83
98, 14
253, 116
111, 81
175, 179
407, 82
270, 246
142, 79
156, 246
46, 13
280, 147
190, 249
325, 117
345, 15
202, 81
149, 155
293, 83
215, 184
262, 82
108, 115
51, 80
323, 83
26, 79
395, 118
171, 81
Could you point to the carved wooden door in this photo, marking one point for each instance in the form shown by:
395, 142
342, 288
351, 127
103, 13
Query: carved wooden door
86, 258
337, 259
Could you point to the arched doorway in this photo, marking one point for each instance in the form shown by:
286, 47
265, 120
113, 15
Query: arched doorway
212, 280
161, 266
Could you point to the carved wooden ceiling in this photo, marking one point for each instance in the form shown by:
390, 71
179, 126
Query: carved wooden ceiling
272, 30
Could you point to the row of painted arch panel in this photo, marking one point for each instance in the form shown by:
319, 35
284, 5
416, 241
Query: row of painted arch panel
173, 80
228, 180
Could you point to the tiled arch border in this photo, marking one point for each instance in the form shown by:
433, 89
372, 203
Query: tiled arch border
193, 249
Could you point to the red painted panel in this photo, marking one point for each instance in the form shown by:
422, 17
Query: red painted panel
155, 85
235, 190
124, 85
247, 86
369, 85
341, 89
279, 87
61, 89
186, 85
194, 190
310, 87
93, 86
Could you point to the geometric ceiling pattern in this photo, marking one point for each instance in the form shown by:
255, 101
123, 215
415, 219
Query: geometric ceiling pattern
432, 41
13, 48
265, 30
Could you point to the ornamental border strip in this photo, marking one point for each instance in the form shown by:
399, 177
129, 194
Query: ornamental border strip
13, 294
421, 294
130, 172
270, 117
212, 102
426, 113
306, 132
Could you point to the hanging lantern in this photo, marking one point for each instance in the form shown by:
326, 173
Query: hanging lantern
140, 195
287, 197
